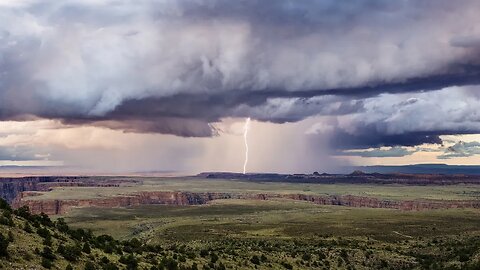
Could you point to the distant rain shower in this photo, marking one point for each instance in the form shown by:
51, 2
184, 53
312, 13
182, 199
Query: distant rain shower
245, 133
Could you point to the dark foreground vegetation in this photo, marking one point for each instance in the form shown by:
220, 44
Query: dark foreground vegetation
35, 242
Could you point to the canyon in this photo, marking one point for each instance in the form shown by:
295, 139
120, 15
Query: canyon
22, 192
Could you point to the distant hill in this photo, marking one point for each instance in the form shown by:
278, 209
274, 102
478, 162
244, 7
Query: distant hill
421, 169
356, 177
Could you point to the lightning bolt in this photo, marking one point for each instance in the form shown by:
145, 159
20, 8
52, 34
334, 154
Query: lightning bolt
245, 133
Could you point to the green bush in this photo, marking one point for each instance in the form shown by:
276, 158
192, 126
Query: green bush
47, 253
43, 232
3, 246
24, 212
169, 264
86, 248
27, 227
71, 252
130, 261
255, 259
90, 266
4, 205
47, 263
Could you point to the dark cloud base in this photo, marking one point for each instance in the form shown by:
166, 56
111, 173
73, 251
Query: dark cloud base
120, 65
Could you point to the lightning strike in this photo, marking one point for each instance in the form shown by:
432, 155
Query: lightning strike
245, 133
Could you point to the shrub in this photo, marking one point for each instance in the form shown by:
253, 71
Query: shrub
90, 266
28, 228
47, 263
109, 266
130, 261
10, 236
4, 205
203, 253
44, 219
62, 225
287, 265
71, 252
306, 257
43, 232
3, 246
213, 257
255, 259
24, 212
86, 248
169, 264
6, 221
47, 253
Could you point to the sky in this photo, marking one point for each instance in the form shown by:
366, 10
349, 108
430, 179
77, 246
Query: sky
140, 86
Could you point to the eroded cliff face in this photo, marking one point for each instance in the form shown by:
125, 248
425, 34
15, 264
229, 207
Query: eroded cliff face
55, 207
11, 188
20, 191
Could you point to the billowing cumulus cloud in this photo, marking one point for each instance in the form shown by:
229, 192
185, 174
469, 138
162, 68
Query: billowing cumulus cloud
406, 119
177, 67
461, 149
388, 152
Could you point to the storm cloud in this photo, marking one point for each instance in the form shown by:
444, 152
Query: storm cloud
388, 73
389, 152
461, 149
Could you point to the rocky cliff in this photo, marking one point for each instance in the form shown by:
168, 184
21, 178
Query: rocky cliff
55, 207
10, 188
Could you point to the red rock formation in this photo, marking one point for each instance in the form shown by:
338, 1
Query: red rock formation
54, 207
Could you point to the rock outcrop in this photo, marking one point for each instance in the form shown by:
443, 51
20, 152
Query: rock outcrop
20, 191
11, 188
55, 207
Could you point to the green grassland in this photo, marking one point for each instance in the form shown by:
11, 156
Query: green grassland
279, 218
300, 235
279, 234
393, 192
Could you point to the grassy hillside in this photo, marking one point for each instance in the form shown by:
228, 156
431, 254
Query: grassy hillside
36, 242
241, 235
300, 235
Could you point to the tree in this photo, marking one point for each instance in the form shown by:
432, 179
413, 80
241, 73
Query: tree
169, 264
306, 257
62, 225
44, 219
23, 211
71, 252
90, 266
3, 246
255, 259
130, 261
44, 232
10, 236
86, 248
203, 253
47, 253
213, 257
4, 205
27, 227
47, 263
